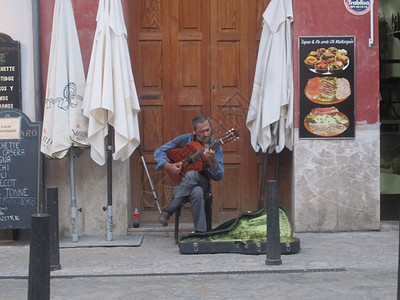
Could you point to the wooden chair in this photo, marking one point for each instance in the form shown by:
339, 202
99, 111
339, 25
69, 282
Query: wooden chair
207, 208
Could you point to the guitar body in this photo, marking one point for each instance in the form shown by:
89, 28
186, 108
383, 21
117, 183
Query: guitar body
181, 155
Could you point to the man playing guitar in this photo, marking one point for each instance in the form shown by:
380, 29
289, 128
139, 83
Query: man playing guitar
193, 181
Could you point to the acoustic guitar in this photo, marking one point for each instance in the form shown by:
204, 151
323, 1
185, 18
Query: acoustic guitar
191, 155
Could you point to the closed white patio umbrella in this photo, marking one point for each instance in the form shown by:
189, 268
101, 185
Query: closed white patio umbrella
110, 94
64, 125
270, 115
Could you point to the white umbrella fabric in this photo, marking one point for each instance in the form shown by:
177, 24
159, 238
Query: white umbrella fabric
270, 115
110, 97
110, 93
64, 125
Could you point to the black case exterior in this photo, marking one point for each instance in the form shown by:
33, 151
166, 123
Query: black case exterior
235, 247
290, 246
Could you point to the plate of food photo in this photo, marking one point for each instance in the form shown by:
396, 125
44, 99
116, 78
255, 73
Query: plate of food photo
327, 90
326, 121
327, 61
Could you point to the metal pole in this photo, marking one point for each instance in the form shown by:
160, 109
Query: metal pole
36, 61
39, 258
277, 163
263, 180
109, 183
52, 210
38, 89
148, 176
273, 233
75, 237
371, 21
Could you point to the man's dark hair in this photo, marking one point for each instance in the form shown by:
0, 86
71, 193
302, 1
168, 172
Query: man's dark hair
200, 119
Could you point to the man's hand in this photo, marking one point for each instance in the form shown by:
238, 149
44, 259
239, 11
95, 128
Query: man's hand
210, 156
173, 168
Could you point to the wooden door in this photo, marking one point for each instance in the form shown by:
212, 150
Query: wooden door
232, 32
192, 56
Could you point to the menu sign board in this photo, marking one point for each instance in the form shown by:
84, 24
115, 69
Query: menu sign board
10, 72
19, 169
326, 69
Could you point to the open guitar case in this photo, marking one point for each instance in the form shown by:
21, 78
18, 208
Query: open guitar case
245, 234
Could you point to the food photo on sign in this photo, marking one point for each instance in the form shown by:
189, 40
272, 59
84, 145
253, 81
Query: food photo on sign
326, 70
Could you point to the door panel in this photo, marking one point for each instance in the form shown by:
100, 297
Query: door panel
149, 43
189, 62
190, 57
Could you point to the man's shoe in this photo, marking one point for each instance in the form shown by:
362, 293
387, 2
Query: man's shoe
164, 218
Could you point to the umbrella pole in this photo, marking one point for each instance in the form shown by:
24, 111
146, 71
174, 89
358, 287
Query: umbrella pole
263, 178
109, 183
75, 237
277, 163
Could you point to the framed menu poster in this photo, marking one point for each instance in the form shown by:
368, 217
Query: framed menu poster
326, 70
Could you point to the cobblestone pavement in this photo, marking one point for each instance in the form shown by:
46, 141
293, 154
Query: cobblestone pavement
345, 265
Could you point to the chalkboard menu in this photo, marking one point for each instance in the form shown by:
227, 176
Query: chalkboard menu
19, 169
10, 72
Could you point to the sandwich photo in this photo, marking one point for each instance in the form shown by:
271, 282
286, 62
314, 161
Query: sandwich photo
327, 90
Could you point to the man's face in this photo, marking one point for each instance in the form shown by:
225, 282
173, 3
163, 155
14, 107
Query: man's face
203, 132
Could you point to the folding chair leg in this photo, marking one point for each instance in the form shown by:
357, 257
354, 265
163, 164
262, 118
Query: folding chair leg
208, 211
177, 215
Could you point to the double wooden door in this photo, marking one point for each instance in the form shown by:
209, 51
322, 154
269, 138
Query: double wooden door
190, 57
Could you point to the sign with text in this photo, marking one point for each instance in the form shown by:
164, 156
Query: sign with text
326, 69
10, 73
358, 7
19, 169
10, 128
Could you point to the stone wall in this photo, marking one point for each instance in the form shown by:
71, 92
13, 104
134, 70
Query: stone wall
336, 182
91, 194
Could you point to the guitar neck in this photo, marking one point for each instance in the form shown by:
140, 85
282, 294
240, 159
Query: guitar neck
195, 156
